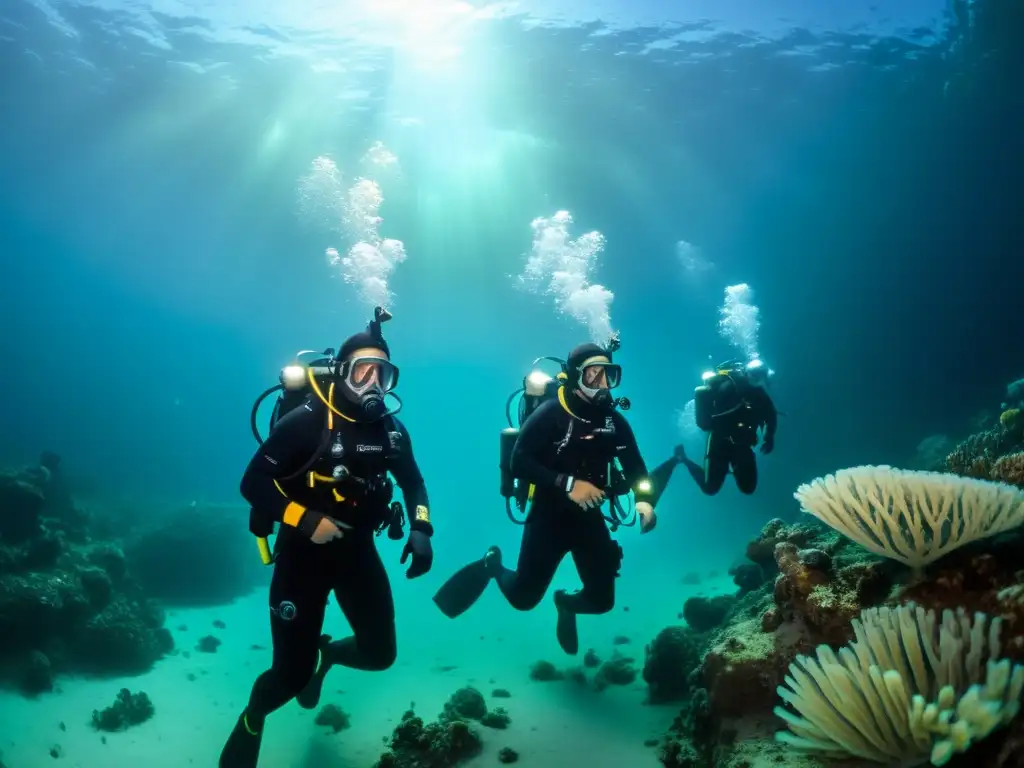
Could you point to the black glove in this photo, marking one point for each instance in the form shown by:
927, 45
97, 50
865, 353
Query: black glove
418, 545
768, 445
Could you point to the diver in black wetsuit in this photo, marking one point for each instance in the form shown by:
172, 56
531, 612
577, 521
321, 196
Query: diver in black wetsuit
565, 452
731, 406
322, 474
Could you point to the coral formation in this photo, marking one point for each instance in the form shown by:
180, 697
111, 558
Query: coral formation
334, 717
66, 602
545, 672
441, 744
801, 588
127, 710
212, 539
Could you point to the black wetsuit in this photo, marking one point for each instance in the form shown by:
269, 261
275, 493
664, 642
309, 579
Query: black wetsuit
731, 410
305, 573
553, 446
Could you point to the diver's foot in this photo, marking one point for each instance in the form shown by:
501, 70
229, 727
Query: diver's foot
243, 747
568, 637
309, 696
680, 454
492, 562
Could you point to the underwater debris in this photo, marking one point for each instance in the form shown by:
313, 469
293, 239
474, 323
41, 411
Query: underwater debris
334, 717
218, 624
621, 640
591, 659
508, 755
127, 710
500, 693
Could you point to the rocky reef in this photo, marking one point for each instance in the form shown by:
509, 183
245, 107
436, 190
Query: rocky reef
449, 741
801, 586
82, 591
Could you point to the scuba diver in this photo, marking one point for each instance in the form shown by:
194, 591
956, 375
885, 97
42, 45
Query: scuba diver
322, 475
731, 406
574, 452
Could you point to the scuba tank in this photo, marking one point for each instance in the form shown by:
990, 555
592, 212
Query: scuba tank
538, 387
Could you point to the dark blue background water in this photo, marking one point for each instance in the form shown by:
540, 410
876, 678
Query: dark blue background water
154, 275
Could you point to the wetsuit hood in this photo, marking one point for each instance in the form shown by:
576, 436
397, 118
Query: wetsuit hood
582, 353
363, 340
579, 405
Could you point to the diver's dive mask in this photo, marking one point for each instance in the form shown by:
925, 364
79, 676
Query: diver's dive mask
596, 380
366, 381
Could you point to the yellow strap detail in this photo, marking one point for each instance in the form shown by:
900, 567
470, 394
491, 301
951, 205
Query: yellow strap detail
422, 513
337, 496
245, 722
293, 514
328, 401
565, 405
280, 489
264, 547
529, 494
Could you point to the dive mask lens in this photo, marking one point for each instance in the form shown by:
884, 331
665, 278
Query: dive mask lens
601, 376
364, 373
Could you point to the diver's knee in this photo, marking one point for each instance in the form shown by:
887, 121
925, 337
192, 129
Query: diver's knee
295, 677
525, 600
380, 655
602, 603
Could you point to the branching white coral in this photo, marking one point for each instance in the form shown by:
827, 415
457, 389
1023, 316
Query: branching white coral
909, 516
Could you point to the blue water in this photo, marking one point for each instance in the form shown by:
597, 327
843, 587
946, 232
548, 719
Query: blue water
856, 164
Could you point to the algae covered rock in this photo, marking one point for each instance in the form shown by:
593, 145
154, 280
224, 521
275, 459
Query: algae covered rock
195, 556
21, 506
465, 704
433, 745
706, 613
669, 660
334, 717
618, 670
127, 710
745, 665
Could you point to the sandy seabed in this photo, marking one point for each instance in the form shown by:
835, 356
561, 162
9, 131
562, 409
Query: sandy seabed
198, 696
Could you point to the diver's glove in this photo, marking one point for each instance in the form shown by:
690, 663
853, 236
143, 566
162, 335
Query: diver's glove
768, 445
418, 545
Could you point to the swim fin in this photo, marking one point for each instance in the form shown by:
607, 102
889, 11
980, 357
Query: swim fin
566, 631
465, 587
309, 696
243, 747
